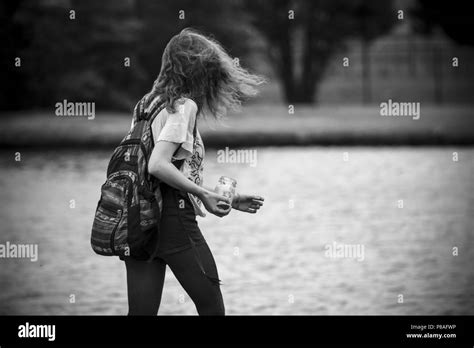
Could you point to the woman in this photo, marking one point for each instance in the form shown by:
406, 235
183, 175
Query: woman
197, 78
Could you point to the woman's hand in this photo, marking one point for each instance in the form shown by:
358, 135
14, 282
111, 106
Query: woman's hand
214, 203
247, 203
161, 167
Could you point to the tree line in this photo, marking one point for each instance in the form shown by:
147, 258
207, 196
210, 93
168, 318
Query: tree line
109, 51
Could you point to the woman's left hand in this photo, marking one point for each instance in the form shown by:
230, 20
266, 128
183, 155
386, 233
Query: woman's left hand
247, 203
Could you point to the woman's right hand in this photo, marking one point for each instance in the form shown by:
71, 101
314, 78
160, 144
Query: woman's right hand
215, 203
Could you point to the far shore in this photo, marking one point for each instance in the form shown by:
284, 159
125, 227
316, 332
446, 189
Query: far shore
257, 125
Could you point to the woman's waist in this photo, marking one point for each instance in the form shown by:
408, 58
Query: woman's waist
175, 200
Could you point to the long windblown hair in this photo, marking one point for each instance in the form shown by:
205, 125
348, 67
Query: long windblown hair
199, 68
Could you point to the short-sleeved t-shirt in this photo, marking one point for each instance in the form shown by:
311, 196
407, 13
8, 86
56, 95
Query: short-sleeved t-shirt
178, 127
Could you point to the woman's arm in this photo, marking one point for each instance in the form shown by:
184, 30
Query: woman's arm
246, 203
161, 167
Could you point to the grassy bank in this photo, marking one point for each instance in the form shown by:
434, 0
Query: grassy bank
258, 125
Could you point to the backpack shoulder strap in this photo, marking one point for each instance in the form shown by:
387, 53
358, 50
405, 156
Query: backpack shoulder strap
155, 113
156, 110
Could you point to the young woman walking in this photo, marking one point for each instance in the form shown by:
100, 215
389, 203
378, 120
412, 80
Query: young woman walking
197, 78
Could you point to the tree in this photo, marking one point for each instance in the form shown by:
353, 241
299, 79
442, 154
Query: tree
13, 40
303, 35
72, 50
104, 51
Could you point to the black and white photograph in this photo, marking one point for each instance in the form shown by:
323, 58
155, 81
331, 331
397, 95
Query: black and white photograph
237, 158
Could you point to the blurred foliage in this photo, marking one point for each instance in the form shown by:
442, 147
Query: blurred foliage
83, 59
304, 34
454, 17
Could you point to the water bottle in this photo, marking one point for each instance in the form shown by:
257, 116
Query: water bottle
226, 187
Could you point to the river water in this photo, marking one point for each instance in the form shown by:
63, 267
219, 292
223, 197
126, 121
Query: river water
409, 211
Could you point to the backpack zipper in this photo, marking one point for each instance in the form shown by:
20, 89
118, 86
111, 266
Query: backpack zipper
120, 211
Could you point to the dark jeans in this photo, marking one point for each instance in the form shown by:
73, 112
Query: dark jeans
145, 282
194, 268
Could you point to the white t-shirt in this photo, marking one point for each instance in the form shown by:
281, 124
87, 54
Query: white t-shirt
178, 128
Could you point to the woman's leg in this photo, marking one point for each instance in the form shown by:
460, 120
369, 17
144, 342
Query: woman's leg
144, 285
205, 293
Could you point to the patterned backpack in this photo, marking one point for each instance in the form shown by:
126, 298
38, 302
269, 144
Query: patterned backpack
127, 217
